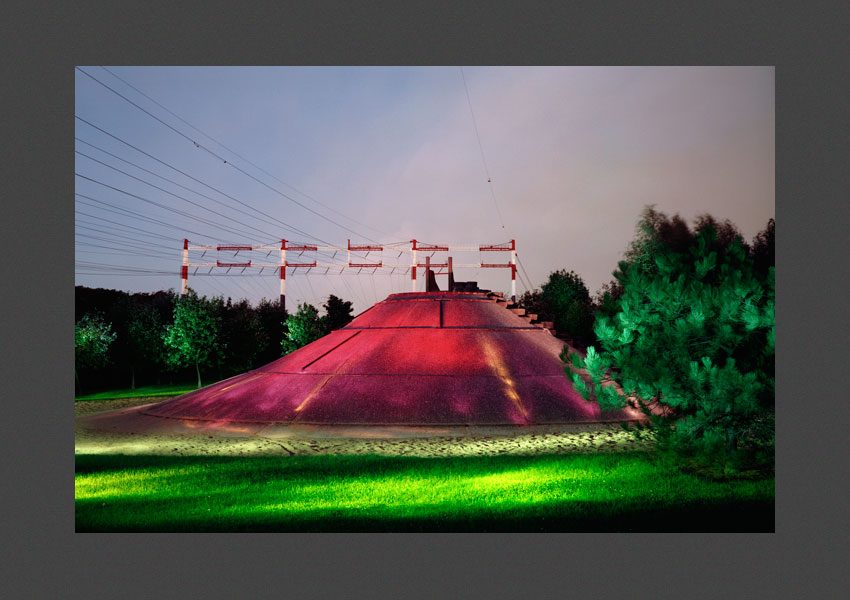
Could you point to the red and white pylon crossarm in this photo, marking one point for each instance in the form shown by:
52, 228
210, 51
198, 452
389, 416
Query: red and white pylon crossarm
283, 265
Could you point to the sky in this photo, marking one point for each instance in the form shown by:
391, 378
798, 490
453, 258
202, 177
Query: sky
251, 155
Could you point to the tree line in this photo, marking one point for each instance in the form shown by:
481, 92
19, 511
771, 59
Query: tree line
123, 339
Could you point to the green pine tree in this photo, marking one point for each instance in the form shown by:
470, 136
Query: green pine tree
693, 334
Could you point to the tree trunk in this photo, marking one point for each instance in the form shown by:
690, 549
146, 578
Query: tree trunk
198, 371
731, 441
77, 381
132, 378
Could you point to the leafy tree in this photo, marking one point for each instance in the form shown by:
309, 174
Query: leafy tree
244, 336
303, 327
145, 330
95, 300
338, 313
272, 317
606, 299
764, 254
532, 302
92, 338
117, 308
564, 300
567, 300
693, 338
193, 337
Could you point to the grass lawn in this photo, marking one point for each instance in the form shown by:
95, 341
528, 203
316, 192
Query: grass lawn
148, 391
599, 492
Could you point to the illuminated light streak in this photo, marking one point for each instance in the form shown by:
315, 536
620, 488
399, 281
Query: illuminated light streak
233, 385
494, 358
314, 392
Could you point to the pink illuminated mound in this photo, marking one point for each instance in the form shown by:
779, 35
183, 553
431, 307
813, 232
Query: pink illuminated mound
436, 358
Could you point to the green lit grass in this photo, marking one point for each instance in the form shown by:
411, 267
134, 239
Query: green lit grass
613, 492
148, 391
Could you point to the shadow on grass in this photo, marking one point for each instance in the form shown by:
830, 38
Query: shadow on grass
583, 516
354, 464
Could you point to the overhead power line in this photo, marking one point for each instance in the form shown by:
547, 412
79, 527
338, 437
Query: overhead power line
185, 174
174, 210
193, 203
285, 225
121, 238
81, 245
233, 152
481, 149
527, 280
117, 253
116, 223
151, 156
224, 160
123, 247
118, 210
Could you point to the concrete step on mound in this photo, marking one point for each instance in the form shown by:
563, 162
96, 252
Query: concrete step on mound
531, 318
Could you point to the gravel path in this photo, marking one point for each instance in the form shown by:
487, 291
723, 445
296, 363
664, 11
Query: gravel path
93, 406
553, 440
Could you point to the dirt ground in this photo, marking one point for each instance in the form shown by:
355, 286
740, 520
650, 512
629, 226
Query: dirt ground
178, 440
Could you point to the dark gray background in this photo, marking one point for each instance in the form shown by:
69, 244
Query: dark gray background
43, 558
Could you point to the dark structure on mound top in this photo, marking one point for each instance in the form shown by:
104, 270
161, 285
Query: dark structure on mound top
435, 358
